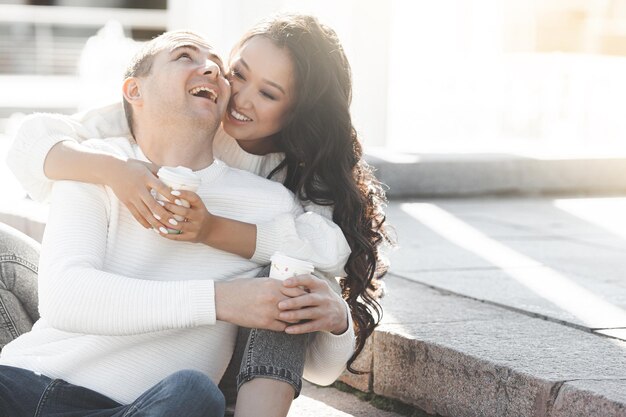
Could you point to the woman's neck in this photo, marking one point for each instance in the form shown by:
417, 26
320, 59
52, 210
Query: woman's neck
258, 146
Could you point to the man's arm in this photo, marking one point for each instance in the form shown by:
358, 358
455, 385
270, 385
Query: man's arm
75, 293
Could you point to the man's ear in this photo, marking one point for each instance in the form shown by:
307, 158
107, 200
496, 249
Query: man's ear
131, 88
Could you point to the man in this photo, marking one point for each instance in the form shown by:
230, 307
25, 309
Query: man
122, 327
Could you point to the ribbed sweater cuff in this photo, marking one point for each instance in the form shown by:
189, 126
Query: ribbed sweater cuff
203, 302
340, 342
269, 237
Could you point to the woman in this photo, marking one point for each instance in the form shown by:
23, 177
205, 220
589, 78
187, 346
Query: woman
289, 115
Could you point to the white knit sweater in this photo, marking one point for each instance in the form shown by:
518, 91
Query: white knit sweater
122, 308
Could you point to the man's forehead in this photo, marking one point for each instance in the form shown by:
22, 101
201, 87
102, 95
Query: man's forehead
178, 40
192, 42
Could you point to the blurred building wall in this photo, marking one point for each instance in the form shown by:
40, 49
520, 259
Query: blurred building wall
450, 75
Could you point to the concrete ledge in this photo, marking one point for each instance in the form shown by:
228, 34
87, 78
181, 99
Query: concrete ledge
453, 356
591, 398
474, 174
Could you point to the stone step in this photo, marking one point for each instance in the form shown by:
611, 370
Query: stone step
454, 356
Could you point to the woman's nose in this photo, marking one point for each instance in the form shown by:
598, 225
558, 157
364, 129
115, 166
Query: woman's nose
241, 96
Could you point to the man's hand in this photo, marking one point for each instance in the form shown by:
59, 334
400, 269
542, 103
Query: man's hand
132, 182
321, 308
253, 302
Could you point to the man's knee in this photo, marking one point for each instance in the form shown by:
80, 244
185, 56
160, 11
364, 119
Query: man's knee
20, 391
197, 388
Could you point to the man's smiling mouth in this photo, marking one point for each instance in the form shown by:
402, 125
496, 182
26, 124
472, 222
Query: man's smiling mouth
204, 92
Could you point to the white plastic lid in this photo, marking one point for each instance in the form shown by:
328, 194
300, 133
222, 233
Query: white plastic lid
179, 176
297, 264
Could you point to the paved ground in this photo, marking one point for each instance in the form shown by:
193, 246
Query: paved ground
559, 259
505, 307
329, 402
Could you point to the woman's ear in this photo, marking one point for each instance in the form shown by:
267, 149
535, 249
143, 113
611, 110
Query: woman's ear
131, 89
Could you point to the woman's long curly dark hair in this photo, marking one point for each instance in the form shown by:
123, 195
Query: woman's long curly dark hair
323, 157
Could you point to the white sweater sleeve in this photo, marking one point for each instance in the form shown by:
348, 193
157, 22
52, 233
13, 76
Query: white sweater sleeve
39, 132
77, 295
311, 236
327, 354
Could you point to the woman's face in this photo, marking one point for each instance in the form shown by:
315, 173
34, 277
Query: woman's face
262, 81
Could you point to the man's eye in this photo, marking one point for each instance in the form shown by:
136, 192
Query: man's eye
184, 55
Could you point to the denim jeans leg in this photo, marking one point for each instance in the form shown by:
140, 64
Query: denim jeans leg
20, 391
186, 393
19, 256
274, 355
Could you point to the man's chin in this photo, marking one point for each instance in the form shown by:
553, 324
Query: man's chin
207, 126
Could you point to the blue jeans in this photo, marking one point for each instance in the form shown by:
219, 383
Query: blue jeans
258, 353
184, 393
19, 256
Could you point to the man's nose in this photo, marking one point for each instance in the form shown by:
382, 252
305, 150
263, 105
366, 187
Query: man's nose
211, 68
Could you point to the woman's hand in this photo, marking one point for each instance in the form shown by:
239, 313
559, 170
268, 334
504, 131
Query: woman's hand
197, 224
201, 226
132, 182
321, 308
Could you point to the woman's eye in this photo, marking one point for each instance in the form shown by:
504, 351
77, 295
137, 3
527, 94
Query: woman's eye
184, 55
268, 95
237, 74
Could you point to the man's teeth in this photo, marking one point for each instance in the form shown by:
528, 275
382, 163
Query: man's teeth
239, 116
204, 92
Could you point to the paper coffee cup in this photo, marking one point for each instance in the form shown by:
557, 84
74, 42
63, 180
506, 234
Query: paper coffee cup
178, 178
284, 266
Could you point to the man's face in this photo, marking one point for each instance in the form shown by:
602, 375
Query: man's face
186, 86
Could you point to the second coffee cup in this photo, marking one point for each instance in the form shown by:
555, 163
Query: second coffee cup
284, 266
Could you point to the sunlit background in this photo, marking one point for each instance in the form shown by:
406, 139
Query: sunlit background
543, 77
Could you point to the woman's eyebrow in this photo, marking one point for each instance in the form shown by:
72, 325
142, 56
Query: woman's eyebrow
265, 80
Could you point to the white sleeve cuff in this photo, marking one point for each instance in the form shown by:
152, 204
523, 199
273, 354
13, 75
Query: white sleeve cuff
203, 302
270, 236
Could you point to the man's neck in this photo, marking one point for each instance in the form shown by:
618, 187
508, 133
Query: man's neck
186, 150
